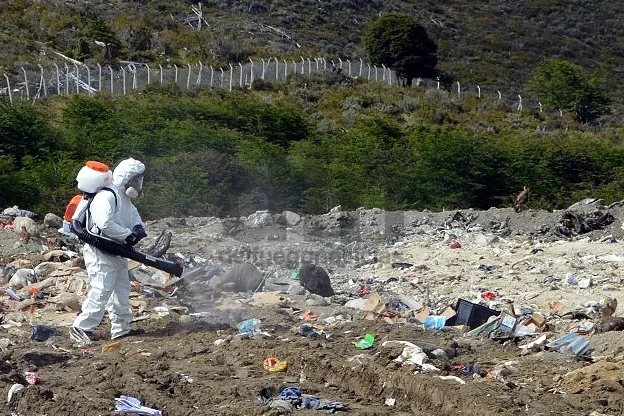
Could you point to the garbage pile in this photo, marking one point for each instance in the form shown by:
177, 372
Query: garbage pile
464, 274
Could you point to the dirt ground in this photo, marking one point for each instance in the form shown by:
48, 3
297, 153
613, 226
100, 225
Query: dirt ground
193, 361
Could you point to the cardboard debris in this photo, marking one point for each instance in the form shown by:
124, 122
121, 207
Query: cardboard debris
262, 299
151, 276
422, 315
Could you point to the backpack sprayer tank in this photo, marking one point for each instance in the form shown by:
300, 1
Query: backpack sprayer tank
91, 178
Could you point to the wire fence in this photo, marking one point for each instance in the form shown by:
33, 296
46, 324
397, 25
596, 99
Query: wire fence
31, 83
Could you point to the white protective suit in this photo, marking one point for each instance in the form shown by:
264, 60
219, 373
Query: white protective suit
108, 274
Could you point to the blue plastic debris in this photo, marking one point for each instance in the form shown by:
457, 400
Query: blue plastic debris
128, 404
572, 342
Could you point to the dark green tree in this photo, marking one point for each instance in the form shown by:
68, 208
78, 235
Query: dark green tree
561, 85
98, 31
399, 42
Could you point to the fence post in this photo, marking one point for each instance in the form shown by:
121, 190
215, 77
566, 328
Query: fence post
45, 87
458, 90
389, 76
500, 96
221, 85
383, 77
316, 60
188, 78
77, 78
88, 80
148, 74
349, 62
285, 70
324, 64
123, 76
264, 67
110, 69
302, 66
340, 60
540, 106
251, 72
478, 91
240, 77
294, 67
58, 80
161, 74
99, 78
9, 89
438, 80
66, 80
201, 68
519, 103
369, 72
231, 75
176, 73
211, 75
375, 73
26, 82
309, 66
361, 67
133, 69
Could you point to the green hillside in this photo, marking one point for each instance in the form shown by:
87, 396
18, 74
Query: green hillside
493, 43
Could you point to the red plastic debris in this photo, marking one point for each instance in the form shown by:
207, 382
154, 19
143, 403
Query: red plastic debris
32, 378
488, 295
455, 244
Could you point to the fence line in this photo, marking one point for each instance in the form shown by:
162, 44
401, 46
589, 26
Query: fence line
82, 79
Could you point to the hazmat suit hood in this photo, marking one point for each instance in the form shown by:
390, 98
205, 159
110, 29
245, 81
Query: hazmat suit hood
126, 170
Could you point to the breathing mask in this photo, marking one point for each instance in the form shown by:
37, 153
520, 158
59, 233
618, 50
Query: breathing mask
134, 188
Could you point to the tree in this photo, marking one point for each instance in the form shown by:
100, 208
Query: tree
399, 42
561, 85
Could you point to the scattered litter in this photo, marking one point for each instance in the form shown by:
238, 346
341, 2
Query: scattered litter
390, 402
300, 401
14, 389
366, 343
452, 378
249, 327
127, 404
273, 365
32, 378
113, 346
572, 342
42, 332
161, 310
435, 322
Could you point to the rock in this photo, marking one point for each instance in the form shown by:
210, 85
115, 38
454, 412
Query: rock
359, 304
585, 283
66, 302
259, 219
296, 289
315, 300
29, 223
288, 218
241, 277
185, 319
22, 278
315, 279
11, 211
53, 221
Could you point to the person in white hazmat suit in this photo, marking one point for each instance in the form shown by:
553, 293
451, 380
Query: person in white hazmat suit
113, 216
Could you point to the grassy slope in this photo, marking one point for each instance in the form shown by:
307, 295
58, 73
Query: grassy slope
492, 43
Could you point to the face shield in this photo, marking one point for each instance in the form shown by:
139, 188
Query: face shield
134, 188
